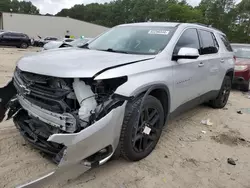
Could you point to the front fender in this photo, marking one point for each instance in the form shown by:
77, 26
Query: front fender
141, 76
142, 83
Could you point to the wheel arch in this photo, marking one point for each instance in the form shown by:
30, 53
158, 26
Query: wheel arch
159, 91
230, 73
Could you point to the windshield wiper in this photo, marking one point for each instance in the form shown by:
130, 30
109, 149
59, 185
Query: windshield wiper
86, 46
115, 51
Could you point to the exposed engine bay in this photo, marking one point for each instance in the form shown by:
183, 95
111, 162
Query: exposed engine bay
44, 105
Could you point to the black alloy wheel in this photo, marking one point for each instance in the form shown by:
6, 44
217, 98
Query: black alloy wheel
141, 130
147, 131
222, 98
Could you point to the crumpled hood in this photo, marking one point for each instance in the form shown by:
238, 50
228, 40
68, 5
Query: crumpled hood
75, 62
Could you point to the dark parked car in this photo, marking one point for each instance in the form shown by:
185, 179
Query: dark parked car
19, 40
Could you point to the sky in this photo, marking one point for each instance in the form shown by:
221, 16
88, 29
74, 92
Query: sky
54, 6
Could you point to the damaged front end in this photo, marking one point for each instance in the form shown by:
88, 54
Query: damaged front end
75, 121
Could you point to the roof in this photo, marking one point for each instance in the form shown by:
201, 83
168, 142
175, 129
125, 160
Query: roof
11, 32
170, 24
159, 24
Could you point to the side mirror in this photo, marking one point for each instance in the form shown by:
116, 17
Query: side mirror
187, 53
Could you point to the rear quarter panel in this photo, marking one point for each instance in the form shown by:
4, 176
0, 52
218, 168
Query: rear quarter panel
228, 58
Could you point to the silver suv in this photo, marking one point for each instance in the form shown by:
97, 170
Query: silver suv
113, 96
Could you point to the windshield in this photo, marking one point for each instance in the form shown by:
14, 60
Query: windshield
241, 51
134, 39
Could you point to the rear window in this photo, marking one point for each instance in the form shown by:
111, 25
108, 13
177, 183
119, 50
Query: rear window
209, 43
19, 35
226, 43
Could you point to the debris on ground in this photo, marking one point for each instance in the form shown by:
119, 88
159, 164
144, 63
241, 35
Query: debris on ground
206, 122
239, 112
204, 132
245, 110
231, 161
230, 139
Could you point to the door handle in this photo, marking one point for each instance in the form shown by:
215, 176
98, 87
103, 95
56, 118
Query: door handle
222, 60
201, 64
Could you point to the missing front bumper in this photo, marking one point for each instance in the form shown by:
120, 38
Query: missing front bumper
82, 145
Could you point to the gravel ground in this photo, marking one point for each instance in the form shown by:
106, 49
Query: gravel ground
189, 154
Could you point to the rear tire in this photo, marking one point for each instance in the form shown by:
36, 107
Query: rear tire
222, 98
135, 142
246, 86
24, 45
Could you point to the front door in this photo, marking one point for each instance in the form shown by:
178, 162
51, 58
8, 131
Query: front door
188, 73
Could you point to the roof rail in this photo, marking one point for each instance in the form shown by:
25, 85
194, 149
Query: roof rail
202, 24
210, 26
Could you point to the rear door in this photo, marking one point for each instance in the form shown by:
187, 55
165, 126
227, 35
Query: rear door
212, 58
188, 73
16, 39
22, 38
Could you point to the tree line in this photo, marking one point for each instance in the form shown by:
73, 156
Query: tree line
233, 19
18, 7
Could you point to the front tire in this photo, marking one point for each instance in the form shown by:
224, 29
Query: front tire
222, 98
141, 131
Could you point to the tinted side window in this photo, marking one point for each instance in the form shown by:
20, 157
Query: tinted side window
226, 43
16, 35
21, 35
215, 41
208, 41
188, 39
7, 35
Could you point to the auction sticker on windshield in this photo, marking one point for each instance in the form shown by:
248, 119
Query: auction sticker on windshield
158, 32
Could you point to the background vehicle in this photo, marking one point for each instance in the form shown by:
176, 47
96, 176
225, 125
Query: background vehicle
242, 66
42, 41
66, 43
19, 40
113, 96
